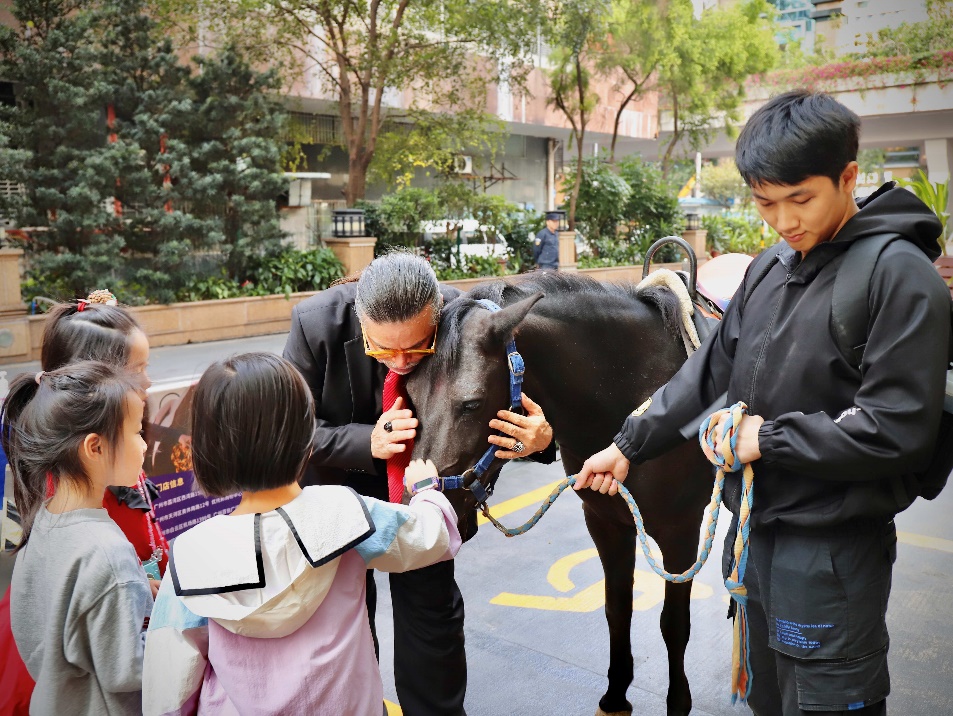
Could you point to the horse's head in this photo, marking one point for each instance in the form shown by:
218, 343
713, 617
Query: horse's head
459, 390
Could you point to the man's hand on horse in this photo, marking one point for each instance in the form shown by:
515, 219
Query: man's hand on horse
531, 432
603, 471
747, 447
393, 427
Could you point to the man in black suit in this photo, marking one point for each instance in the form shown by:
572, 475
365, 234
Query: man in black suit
344, 341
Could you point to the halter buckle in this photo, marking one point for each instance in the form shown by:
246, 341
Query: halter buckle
517, 366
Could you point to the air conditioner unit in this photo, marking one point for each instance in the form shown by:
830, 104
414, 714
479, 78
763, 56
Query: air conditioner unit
462, 164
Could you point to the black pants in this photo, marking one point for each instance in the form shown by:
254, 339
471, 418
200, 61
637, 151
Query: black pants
816, 617
430, 662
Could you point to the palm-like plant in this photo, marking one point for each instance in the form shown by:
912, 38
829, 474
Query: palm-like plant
936, 195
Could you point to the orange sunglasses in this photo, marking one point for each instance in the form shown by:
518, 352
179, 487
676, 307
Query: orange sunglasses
391, 353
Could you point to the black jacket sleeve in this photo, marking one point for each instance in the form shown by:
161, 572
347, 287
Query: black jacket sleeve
342, 446
687, 398
892, 425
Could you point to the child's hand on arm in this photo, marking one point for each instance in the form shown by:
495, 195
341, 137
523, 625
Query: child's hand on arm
418, 470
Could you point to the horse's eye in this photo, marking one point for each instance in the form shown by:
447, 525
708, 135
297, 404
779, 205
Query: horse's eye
471, 406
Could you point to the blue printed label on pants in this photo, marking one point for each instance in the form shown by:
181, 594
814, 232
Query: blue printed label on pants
792, 633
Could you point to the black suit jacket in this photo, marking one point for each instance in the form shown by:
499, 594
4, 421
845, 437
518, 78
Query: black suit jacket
325, 344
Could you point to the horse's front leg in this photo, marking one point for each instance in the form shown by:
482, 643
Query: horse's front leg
676, 627
616, 546
675, 622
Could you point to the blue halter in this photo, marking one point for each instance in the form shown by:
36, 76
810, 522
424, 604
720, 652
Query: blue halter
517, 368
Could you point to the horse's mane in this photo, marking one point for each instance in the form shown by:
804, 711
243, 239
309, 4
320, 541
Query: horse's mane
554, 285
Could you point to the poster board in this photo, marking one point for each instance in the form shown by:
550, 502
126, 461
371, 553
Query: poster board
168, 461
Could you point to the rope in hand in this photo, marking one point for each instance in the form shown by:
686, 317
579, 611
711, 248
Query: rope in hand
725, 461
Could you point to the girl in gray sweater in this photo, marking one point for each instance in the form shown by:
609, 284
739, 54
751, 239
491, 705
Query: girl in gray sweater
80, 600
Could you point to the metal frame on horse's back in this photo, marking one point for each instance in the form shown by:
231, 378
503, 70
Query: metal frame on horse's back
629, 343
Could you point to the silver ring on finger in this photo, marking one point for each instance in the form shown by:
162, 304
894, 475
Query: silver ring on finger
388, 426
518, 446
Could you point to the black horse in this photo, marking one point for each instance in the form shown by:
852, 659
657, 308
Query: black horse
593, 352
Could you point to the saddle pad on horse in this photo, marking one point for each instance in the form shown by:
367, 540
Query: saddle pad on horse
673, 282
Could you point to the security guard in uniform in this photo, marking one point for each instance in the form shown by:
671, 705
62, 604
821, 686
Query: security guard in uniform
546, 248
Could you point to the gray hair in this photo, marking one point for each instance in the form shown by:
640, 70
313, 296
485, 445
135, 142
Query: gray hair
396, 287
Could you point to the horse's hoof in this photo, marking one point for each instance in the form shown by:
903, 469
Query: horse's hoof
600, 712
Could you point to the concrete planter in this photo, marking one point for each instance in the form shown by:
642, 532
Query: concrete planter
200, 321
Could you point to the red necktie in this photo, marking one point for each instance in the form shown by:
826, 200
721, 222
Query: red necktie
396, 464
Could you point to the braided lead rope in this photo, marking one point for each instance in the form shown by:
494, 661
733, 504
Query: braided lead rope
726, 460
686, 576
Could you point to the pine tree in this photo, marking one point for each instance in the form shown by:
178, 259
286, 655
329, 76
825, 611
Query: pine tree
56, 145
130, 162
225, 149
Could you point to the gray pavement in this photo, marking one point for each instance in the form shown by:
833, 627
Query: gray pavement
174, 363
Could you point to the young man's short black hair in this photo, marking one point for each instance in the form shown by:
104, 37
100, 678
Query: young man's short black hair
795, 136
252, 425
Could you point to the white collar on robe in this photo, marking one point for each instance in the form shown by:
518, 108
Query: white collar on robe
224, 553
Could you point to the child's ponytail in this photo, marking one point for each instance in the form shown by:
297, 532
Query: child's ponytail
46, 418
28, 490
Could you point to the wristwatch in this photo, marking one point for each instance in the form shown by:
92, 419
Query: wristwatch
430, 483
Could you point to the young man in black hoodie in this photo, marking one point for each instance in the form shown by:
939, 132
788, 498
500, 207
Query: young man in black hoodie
829, 440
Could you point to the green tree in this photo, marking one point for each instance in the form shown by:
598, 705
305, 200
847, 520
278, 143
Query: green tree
603, 196
722, 182
576, 30
128, 164
935, 34
441, 54
701, 82
429, 142
652, 208
224, 157
56, 145
146, 79
635, 44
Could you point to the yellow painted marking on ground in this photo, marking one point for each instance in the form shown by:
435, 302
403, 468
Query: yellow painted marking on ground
559, 573
937, 543
648, 585
534, 497
588, 600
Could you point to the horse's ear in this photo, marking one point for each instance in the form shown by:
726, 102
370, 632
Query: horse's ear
505, 321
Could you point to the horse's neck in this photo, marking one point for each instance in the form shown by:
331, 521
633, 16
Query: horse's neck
589, 368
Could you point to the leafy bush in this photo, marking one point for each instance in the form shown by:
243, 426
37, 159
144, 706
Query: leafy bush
610, 252
603, 196
289, 272
293, 271
638, 197
935, 195
519, 230
396, 221
652, 207
735, 234
472, 267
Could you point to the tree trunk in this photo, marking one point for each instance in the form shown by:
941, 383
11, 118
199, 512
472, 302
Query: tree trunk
676, 136
356, 179
578, 182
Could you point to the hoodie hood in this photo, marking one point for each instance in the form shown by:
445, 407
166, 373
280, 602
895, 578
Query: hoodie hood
264, 575
893, 210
